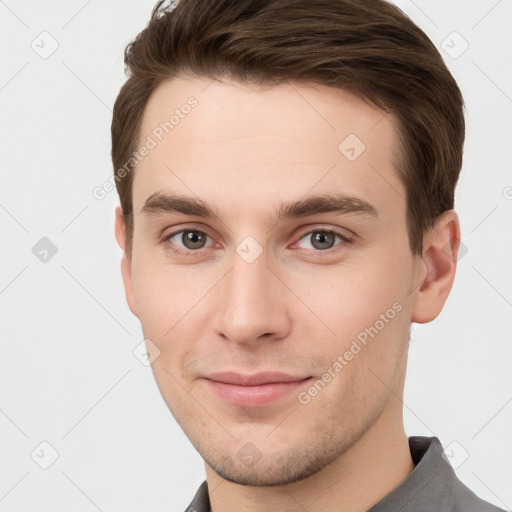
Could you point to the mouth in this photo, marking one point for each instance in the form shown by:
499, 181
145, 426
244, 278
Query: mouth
253, 390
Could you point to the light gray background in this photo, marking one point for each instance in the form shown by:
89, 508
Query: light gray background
68, 375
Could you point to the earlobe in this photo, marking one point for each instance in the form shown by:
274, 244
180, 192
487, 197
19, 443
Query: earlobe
126, 263
437, 265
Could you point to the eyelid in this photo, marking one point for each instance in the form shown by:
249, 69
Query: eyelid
186, 227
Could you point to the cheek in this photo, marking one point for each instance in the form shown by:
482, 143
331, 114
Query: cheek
349, 299
367, 309
165, 294
368, 315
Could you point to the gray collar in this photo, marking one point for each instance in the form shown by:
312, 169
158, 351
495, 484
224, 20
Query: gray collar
431, 487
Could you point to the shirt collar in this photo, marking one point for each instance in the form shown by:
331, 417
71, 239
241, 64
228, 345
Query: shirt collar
432, 485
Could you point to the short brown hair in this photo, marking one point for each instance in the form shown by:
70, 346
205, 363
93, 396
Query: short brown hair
368, 47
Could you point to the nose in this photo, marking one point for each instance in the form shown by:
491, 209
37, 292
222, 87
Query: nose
251, 304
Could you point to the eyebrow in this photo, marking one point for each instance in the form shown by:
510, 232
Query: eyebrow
161, 203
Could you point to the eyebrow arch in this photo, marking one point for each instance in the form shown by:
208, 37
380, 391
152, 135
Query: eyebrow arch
159, 202
325, 203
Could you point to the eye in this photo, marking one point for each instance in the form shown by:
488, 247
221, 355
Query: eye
323, 239
185, 241
189, 242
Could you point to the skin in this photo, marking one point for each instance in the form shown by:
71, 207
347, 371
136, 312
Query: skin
245, 150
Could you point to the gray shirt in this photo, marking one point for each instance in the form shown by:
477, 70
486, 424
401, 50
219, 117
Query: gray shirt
431, 487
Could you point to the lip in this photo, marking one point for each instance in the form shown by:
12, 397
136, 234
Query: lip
253, 390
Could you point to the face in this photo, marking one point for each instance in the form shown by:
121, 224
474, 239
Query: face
278, 282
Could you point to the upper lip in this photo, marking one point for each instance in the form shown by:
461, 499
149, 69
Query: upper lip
253, 380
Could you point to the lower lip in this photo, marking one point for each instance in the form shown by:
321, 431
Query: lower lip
254, 396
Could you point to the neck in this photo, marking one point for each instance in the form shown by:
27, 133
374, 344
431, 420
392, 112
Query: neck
364, 474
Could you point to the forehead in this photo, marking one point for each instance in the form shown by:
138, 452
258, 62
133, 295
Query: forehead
224, 142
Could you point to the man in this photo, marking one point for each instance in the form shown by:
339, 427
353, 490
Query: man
286, 171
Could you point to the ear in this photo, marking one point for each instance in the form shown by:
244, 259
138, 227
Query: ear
126, 263
436, 268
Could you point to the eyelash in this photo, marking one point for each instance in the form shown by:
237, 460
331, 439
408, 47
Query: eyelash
346, 239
